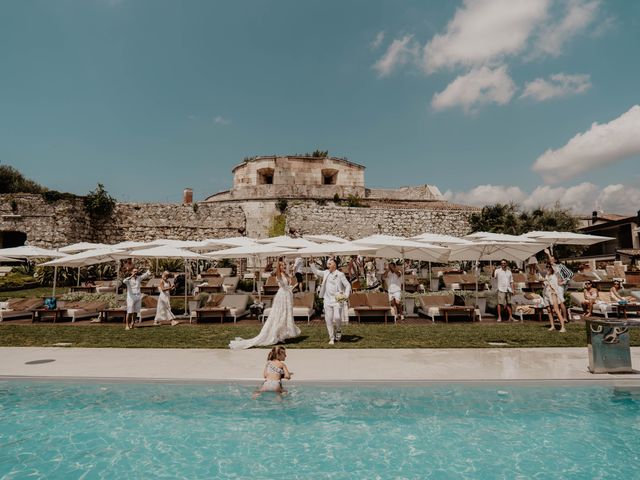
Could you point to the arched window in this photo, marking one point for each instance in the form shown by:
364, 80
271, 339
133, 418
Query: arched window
265, 176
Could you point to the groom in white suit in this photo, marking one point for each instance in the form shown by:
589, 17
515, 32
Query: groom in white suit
333, 282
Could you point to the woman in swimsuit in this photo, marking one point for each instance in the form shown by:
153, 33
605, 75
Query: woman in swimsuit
275, 370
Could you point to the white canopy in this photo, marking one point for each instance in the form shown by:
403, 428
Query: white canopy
257, 251
498, 237
488, 250
81, 247
186, 244
130, 245
230, 241
439, 239
325, 238
88, 257
28, 251
290, 242
329, 249
166, 251
389, 246
566, 238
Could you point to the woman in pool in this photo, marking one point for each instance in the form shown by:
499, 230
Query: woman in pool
279, 325
275, 370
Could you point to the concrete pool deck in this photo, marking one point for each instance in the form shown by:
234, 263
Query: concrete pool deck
308, 365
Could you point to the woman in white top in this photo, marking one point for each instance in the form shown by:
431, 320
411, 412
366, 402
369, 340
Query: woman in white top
163, 310
551, 293
280, 324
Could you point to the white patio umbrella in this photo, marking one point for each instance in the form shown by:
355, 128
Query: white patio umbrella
166, 251
389, 246
325, 238
130, 245
498, 237
230, 242
290, 242
86, 258
81, 247
439, 239
256, 252
28, 252
330, 249
492, 250
566, 238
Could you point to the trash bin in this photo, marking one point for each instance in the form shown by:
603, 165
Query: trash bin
608, 343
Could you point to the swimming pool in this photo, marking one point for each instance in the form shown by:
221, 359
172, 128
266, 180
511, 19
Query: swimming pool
119, 430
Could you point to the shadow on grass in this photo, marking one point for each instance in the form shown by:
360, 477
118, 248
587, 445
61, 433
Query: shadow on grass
351, 338
293, 341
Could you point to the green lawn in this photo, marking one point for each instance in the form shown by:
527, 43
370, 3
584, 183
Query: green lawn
456, 335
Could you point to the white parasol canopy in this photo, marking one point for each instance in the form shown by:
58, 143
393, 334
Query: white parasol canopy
566, 238
325, 238
290, 242
329, 249
439, 239
230, 242
88, 257
130, 245
186, 244
252, 251
28, 251
498, 237
165, 251
81, 247
491, 250
389, 246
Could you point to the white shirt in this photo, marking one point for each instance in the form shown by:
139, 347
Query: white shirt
394, 282
297, 265
333, 283
134, 283
505, 279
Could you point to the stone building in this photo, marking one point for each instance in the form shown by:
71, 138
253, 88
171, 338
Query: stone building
323, 195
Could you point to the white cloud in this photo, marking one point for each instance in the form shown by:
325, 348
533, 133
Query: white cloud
221, 120
377, 41
558, 85
483, 31
398, 54
487, 195
582, 198
479, 86
597, 147
554, 36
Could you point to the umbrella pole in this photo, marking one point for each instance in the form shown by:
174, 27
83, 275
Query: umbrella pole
186, 282
78, 284
477, 277
55, 277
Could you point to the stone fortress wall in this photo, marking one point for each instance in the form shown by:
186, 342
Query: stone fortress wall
55, 224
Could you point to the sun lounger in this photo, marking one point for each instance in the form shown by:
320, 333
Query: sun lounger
452, 281
430, 305
105, 286
411, 283
151, 287
229, 284
225, 272
373, 304
233, 305
79, 310
19, 307
214, 285
528, 304
148, 310
270, 287
604, 306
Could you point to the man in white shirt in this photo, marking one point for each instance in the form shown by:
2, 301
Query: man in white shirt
333, 282
393, 279
505, 289
134, 296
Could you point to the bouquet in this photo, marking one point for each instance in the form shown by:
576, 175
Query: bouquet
341, 298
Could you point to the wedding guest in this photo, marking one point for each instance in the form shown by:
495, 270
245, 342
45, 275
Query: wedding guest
134, 296
505, 289
298, 267
562, 282
393, 279
275, 370
163, 310
591, 296
551, 294
370, 274
334, 291
616, 296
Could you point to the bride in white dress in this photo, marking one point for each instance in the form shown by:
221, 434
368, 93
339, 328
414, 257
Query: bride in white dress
279, 325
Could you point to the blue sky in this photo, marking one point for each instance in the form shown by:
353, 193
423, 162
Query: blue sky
151, 96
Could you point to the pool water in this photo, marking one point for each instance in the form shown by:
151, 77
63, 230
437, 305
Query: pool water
91, 430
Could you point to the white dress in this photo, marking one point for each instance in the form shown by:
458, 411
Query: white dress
163, 311
279, 325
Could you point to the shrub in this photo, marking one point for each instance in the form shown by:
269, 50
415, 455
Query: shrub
12, 181
354, 201
336, 198
278, 225
52, 196
98, 203
113, 300
282, 205
16, 281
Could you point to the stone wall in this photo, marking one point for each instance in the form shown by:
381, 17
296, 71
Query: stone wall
54, 224
351, 223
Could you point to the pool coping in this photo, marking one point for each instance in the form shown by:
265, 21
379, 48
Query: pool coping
311, 366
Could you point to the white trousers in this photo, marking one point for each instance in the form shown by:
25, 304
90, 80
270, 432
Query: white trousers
333, 315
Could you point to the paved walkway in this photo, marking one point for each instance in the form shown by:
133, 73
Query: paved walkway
499, 364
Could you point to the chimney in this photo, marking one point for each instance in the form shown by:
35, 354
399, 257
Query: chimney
187, 196
594, 217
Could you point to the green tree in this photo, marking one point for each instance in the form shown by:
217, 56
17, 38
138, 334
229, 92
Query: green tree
12, 181
98, 203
